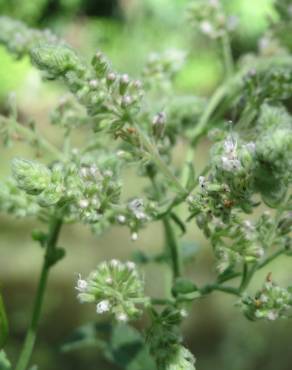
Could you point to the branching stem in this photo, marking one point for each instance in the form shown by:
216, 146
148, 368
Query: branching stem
49, 260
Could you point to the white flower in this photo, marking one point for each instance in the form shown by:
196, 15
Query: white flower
183, 312
230, 146
81, 284
115, 263
93, 83
95, 202
230, 164
159, 118
111, 76
125, 79
127, 100
207, 28
121, 219
264, 298
93, 170
109, 280
130, 265
202, 182
103, 306
108, 173
272, 315
134, 237
83, 203
122, 317
83, 172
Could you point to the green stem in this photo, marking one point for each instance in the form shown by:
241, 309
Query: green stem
162, 301
173, 247
49, 260
159, 162
227, 55
209, 288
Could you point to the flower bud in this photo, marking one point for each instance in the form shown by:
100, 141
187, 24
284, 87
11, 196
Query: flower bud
56, 59
100, 64
31, 176
158, 125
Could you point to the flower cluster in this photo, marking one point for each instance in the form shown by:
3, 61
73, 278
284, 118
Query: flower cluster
270, 303
135, 215
19, 38
266, 85
87, 191
114, 287
209, 17
110, 98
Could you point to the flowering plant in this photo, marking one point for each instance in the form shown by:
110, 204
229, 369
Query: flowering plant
241, 201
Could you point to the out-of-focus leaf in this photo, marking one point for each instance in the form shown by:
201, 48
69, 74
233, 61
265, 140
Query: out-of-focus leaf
122, 345
3, 324
89, 335
127, 349
4, 362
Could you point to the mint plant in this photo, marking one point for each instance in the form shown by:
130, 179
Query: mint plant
241, 201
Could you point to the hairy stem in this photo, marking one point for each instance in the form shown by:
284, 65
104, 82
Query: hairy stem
159, 162
48, 262
172, 245
227, 55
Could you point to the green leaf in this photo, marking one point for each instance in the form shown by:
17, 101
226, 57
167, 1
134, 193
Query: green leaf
4, 362
128, 349
89, 335
3, 324
122, 345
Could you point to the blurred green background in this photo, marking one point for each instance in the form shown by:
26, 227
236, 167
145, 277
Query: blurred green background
127, 31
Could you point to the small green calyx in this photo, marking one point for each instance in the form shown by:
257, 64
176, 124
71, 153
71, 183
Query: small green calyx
31, 176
